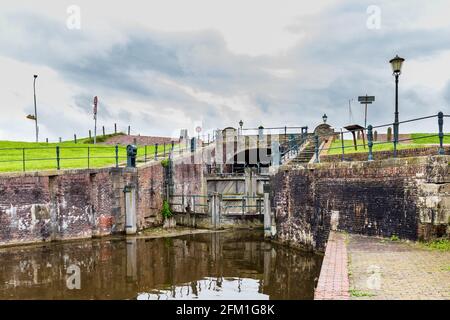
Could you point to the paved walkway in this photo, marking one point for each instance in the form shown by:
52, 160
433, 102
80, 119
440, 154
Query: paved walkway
333, 281
382, 269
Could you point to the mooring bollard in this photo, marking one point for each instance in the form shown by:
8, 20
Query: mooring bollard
370, 141
316, 148
441, 133
131, 156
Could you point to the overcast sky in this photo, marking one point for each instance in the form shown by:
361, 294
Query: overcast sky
164, 65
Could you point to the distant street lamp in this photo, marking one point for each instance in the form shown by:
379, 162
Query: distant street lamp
396, 64
35, 108
324, 118
241, 123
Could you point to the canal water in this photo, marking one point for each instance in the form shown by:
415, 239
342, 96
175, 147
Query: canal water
220, 265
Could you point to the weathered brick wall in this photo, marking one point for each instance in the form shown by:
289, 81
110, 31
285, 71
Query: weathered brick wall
67, 204
381, 198
150, 195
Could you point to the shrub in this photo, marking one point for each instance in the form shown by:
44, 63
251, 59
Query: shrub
165, 211
165, 163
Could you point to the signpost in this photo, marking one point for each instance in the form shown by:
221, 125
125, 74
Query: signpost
366, 100
95, 119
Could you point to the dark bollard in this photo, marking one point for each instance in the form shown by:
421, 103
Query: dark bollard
370, 141
131, 156
316, 148
156, 151
441, 133
75, 138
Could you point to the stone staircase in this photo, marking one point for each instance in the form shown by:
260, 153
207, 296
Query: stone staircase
304, 156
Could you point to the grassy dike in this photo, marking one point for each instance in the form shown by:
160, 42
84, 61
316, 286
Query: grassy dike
42, 156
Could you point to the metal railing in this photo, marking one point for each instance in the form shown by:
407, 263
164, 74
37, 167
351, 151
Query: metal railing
76, 157
371, 143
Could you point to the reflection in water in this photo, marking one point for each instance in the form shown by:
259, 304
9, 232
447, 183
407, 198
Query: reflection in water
225, 265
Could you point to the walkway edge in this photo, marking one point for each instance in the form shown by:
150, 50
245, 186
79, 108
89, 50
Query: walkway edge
333, 280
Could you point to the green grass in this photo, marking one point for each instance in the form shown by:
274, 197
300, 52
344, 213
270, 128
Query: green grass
348, 144
428, 138
358, 293
439, 244
418, 140
42, 156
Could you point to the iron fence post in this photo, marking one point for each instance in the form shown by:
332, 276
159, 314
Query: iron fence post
88, 157
145, 153
117, 155
316, 148
342, 145
441, 132
156, 151
370, 141
57, 158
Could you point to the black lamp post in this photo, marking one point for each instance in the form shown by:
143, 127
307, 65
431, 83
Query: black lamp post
396, 64
35, 108
324, 118
241, 123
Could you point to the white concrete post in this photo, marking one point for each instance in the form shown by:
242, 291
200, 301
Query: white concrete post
267, 216
130, 210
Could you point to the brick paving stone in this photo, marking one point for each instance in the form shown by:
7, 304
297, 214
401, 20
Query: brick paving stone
333, 280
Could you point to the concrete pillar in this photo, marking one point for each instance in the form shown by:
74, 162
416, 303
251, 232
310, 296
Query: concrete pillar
267, 216
275, 148
215, 210
130, 210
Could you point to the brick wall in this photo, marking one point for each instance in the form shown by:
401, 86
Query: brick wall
404, 197
68, 204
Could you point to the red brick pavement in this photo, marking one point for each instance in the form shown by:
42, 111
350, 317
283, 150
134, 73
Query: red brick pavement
333, 280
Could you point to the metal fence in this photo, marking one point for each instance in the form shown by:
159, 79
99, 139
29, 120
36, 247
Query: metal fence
61, 156
319, 145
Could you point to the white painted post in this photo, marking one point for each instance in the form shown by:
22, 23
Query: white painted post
215, 208
267, 217
130, 210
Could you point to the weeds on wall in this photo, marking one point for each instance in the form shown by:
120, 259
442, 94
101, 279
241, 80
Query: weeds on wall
165, 211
